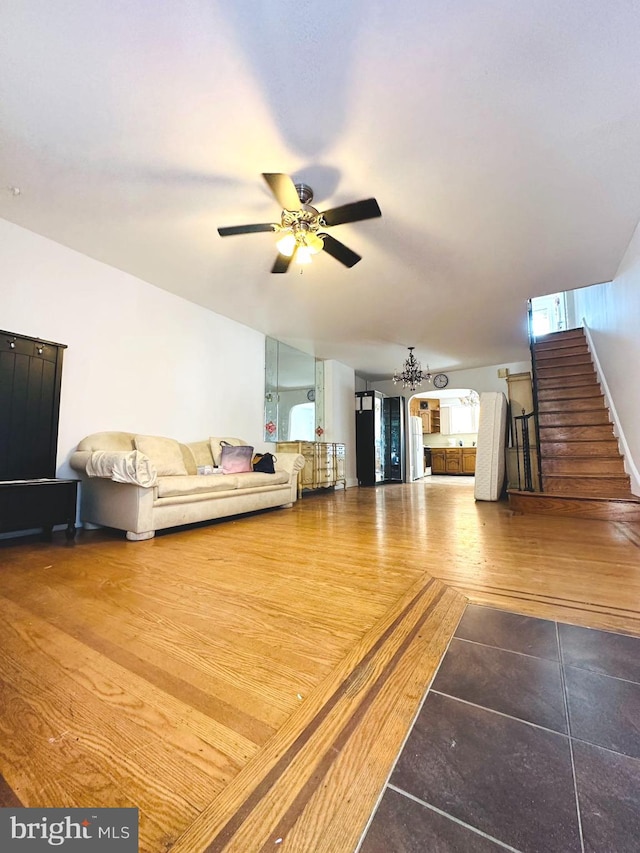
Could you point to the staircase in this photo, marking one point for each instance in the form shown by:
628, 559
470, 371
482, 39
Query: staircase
582, 468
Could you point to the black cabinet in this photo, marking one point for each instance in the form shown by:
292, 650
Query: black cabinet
379, 438
26, 504
30, 383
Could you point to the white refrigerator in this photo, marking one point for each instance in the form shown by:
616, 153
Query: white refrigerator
417, 449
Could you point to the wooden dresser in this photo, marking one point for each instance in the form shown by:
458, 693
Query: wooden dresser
325, 463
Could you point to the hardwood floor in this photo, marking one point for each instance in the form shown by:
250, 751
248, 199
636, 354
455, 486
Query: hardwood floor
253, 679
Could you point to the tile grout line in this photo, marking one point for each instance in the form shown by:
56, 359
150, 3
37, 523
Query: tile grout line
501, 714
602, 674
404, 742
502, 649
566, 711
551, 660
452, 818
605, 748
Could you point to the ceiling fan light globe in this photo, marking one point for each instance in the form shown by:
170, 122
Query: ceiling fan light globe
303, 255
287, 245
314, 244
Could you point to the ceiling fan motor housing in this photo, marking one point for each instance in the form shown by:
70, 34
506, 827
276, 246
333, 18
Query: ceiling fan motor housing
307, 217
305, 193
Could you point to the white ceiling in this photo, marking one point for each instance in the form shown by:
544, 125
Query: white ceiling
500, 139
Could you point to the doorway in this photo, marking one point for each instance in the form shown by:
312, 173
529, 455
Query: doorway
440, 419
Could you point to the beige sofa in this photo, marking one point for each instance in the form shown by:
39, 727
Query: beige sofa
142, 483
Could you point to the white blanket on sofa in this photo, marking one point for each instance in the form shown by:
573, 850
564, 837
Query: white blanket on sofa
123, 466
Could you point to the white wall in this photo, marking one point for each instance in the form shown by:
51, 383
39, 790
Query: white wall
340, 419
139, 359
612, 314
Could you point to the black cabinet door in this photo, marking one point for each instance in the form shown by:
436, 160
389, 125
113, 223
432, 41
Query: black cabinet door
30, 381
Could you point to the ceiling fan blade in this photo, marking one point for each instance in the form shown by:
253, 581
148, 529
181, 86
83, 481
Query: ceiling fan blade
354, 212
245, 229
282, 263
339, 251
284, 190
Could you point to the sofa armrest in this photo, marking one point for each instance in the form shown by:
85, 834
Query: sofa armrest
78, 460
121, 466
289, 462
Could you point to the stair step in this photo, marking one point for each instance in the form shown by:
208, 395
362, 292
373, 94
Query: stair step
575, 506
545, 353
562, 335
582, 469
582, 465
555, 360
594, 485
578, 448
580, 404
562, 382
592, 390
568, 370
588, 432
569, 337
563, 419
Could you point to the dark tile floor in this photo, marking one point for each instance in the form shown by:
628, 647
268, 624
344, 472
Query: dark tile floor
528, 740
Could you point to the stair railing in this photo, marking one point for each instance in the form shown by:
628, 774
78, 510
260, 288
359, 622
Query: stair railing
534, 386
525, 476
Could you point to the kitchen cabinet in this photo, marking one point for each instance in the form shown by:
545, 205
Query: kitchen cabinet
468, 460
453, 460
430, 416
438, 463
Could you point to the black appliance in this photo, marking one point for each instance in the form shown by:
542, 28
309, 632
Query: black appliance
380, 450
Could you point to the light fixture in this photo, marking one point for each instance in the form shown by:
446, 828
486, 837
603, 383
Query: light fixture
472, 399
412, 374
303, 255
300, 240
287, 245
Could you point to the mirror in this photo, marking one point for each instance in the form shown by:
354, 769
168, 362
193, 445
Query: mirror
293, 395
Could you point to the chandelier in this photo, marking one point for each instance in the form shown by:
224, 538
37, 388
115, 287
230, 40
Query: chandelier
412, 375
472, 399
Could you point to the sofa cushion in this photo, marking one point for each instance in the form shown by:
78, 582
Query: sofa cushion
164, 453
188, 458
250, 481
195, 484
107, 441
201, 451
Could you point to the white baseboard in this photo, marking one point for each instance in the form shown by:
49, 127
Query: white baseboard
629, 464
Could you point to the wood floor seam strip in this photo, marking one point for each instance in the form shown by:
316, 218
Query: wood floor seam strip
294, 811
224, 836
8, 797
537, 596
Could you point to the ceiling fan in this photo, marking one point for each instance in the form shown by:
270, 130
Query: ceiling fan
301, 226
